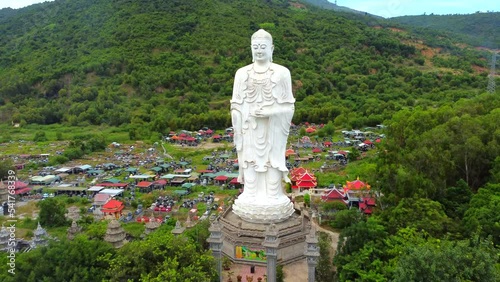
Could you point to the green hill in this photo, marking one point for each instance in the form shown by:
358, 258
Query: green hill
325, 4
479, 29
160, 65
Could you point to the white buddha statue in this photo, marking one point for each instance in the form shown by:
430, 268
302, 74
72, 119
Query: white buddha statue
262, 108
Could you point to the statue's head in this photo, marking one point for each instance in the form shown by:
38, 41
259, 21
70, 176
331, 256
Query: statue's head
262, 46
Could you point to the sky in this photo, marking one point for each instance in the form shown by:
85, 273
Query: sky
384, 8
395, 8
15, 4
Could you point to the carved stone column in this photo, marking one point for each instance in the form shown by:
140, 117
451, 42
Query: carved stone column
271, 243
215, 241
312, 254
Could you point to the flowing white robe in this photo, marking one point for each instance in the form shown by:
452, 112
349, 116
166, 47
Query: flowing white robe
261, 141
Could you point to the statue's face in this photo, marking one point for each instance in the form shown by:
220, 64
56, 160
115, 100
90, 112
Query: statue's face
262, 50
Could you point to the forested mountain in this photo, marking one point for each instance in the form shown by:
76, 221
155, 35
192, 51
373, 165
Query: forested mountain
160, 65
151, 66
479, 29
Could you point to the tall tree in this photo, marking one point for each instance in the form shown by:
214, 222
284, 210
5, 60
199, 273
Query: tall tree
324, 269
470, 260
52, 213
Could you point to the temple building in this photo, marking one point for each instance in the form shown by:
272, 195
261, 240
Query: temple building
113, 207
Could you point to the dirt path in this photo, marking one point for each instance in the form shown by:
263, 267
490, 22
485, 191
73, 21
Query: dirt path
334, 236
297, 271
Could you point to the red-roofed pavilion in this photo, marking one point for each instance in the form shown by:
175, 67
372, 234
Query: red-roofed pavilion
113, 207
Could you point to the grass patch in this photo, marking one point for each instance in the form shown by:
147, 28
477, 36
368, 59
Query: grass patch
135, 229
52, 131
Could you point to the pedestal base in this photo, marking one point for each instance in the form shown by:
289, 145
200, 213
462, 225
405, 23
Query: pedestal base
263, 210
242, 240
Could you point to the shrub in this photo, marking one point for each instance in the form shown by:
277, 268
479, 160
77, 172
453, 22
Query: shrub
346, 218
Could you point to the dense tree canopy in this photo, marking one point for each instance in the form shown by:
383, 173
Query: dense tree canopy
479, 29
159, 257
78, 260
167, 65
437, 179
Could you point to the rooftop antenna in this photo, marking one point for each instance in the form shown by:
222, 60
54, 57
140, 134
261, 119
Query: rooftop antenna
491, 81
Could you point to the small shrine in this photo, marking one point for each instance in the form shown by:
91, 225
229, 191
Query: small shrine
73, 230
151, 225
115, 235
189, 223
178, 229
113, 207
40, 237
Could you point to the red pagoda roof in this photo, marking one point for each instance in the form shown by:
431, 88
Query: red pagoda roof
356, 185
113, 206
306, 184
333, 194
307, 177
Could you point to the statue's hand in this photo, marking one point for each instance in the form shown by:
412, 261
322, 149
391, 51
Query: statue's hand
264, 111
